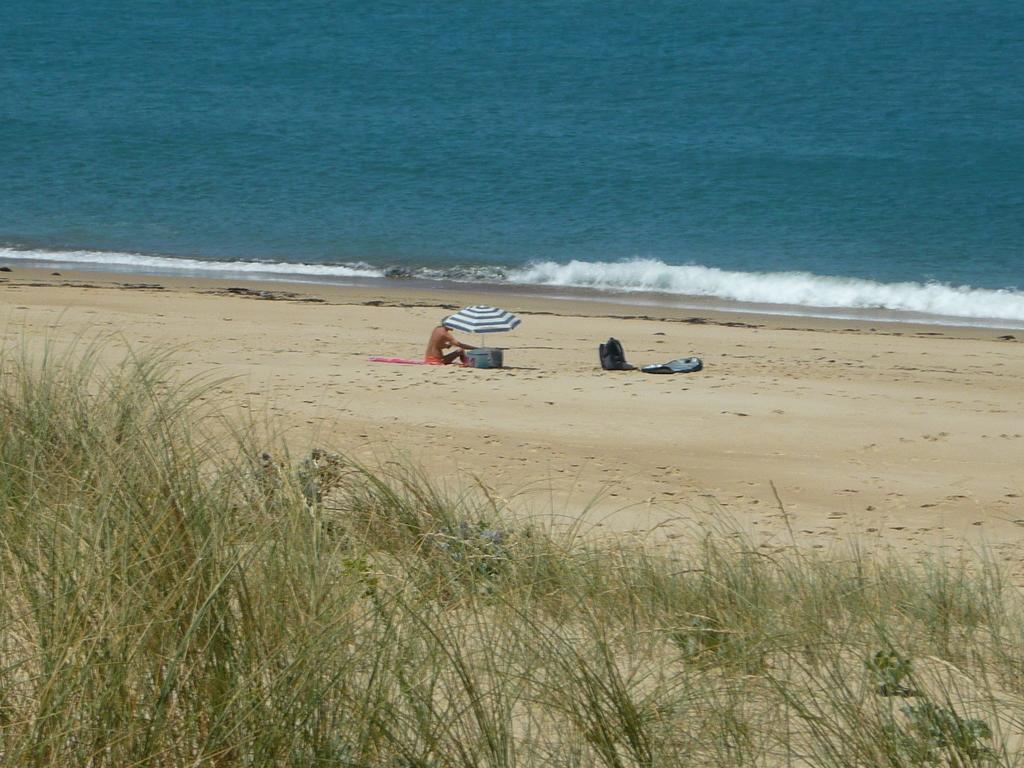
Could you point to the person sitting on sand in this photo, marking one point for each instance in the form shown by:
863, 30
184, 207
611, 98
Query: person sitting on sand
441, 339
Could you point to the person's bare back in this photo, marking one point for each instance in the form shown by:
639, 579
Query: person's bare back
441, 339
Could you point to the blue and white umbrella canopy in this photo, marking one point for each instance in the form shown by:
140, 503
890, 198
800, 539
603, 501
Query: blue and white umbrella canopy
482, 319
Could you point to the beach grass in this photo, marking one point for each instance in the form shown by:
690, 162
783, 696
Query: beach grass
179, 591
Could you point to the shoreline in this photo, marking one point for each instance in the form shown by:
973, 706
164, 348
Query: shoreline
633, 297
530, 298
905, 434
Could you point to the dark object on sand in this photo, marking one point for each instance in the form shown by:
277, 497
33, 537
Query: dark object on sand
681, 365
5, 269
613, 357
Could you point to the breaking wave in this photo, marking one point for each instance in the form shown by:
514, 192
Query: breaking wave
802, 289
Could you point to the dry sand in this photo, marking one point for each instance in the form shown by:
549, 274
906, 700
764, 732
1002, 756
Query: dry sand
909, 434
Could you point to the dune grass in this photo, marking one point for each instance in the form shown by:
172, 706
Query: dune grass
175, 597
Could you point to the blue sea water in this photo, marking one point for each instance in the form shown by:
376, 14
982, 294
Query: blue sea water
867, 153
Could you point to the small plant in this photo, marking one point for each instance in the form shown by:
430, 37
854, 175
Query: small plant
890, 669
700, 635
320, 473
361, 568
477, 546
934, 730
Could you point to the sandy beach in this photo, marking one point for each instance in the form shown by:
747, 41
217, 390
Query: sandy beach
910, 435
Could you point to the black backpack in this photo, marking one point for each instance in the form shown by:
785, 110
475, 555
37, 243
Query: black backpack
613, 358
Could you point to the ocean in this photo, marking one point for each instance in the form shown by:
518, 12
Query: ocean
816, 157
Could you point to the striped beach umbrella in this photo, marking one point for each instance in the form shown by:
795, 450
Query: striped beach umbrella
482, 319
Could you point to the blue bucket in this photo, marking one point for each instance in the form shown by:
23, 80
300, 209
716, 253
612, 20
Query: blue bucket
484, 357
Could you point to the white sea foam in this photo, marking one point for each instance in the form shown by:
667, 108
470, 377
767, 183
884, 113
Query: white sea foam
140, 262
801, 289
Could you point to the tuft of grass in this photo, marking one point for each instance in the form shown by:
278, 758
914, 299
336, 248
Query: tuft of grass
179, 592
